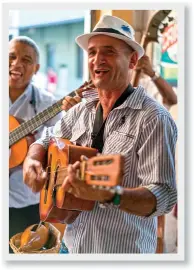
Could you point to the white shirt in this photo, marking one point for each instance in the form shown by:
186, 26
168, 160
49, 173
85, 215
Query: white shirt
20, 195
147, 139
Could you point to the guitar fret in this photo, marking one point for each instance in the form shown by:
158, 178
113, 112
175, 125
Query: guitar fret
30, 125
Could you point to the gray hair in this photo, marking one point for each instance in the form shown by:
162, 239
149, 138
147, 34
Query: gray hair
28, 41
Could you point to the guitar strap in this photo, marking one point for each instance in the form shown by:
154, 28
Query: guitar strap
33, 100
99, 124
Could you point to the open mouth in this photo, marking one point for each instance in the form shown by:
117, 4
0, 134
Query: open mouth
15, 75
101, 72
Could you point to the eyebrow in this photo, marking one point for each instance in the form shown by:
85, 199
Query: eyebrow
105, 47
29, 57
26, 56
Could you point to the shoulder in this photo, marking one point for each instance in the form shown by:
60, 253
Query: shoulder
77, 109
150, 109
158, 115
43, 96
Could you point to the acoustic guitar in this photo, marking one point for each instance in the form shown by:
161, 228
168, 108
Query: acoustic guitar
18, 143
97, 171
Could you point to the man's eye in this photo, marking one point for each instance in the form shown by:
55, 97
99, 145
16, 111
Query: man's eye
11, 57
91, 53
27, 61
109, 52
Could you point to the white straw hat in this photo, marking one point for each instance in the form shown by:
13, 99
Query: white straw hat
114, 27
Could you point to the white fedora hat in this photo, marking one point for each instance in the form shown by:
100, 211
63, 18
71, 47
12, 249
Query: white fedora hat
115, 27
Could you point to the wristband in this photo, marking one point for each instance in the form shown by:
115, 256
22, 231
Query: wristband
116, 200
155, 77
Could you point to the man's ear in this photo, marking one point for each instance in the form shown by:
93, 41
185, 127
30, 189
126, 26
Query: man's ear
133, 60
37, 68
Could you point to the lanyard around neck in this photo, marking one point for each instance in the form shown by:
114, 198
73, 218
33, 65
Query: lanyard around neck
99, 124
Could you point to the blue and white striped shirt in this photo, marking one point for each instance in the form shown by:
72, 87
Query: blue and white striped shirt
147, 139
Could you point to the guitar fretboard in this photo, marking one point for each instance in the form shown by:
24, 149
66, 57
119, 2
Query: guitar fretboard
36, 121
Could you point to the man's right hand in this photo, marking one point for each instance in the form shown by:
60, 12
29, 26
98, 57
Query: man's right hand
69, 102
33, 174
145, 65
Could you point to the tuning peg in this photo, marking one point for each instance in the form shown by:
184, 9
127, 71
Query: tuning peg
165, 25
155, 25
161, 30
170, 19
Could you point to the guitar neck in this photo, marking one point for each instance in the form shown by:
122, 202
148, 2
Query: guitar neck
35, 122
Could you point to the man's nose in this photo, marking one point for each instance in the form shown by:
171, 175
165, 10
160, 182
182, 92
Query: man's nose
99, 59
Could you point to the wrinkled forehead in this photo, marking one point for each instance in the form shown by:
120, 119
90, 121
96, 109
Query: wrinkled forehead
21, 48
101, 40
19, 44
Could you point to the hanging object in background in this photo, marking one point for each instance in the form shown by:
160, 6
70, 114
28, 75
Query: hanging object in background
169, 60
151, 35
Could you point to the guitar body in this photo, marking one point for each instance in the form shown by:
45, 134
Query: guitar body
55, 204
20, 148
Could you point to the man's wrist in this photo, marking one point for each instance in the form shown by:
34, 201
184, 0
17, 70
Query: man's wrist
155, 76
116, 199
37, 152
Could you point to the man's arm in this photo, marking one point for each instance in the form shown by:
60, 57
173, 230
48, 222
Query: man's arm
166, 91
164, 88
157, 194
138, 201
156, 169
33, 168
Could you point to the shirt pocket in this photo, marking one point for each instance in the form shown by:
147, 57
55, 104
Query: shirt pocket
125, 144
78, 136
119, 142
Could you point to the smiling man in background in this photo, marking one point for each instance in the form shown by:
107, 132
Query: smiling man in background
25, 101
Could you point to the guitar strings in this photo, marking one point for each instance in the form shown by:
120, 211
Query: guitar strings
54, 171
104, 162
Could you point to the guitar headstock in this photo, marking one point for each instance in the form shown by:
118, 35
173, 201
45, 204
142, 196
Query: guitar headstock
84, 87
102, 170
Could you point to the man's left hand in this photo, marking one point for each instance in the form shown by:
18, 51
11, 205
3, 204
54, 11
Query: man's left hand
82, 190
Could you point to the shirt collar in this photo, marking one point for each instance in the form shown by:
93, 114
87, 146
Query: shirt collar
134, 101
27, 93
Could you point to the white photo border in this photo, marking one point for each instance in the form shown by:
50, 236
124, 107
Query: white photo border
179, 256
